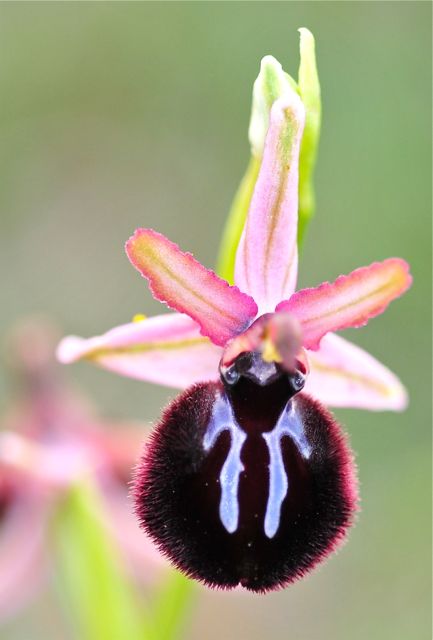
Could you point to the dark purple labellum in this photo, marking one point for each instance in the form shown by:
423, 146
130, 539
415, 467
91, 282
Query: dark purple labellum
246, 482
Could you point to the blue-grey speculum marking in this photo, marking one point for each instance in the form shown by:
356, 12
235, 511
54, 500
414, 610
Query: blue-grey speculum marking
288, 424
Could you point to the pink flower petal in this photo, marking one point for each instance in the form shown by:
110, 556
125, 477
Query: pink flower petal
166, 349
51, 465
177, 279
350, 301
23, 534
344, 375
267, 258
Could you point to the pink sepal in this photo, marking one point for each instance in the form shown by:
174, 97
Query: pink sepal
344, 375
166, 349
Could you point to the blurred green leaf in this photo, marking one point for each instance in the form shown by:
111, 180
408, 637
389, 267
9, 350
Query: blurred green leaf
102, 601
309, 90
172, 605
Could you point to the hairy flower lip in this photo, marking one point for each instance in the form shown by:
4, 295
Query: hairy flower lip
178, 498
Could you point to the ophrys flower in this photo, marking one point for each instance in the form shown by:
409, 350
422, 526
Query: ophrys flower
249, 479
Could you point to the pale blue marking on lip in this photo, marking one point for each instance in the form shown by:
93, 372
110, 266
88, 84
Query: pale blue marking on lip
289, 424
223, 419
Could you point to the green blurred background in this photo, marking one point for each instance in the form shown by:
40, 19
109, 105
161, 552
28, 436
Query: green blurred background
118, 115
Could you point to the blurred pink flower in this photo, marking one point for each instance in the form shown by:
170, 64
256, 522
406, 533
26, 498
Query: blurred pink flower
49, 438
186, 347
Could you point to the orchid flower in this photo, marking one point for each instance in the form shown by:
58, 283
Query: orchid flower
49, 440
248, 478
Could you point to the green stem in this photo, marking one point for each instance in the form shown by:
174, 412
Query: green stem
235, 221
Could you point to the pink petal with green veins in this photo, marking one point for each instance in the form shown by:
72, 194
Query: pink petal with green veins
176, 278
267, 257
344, 375
350, 301
166, 349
